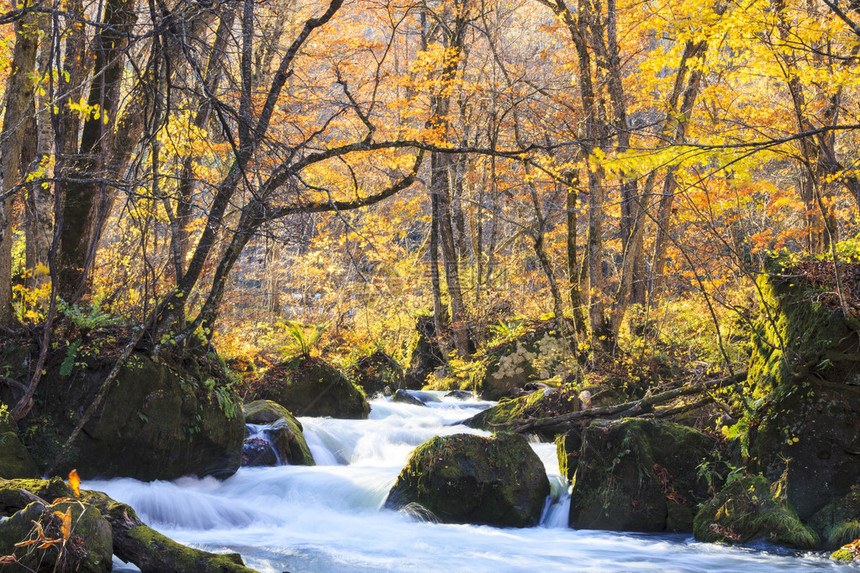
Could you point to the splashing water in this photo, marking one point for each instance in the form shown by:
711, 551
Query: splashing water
327, 518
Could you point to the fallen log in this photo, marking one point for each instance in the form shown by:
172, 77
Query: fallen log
133, 541
643, 406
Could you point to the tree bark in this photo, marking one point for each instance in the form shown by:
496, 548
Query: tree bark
86, 195
19, 93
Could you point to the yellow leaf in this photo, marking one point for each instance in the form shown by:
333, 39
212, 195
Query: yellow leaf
75, 482
66, 528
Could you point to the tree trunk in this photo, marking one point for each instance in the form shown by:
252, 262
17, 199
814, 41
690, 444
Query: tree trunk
86, 199
19, 92
439, 187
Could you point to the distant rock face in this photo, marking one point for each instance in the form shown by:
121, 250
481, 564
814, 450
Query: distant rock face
469, 479
638, 475
510, 366
805, 382
308, 386
159, 420
749, 509
378, 373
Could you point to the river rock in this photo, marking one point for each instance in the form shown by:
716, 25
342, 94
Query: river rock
838, 522
160, 419
378, 373
751, 508
465, 478
88, 547
257, 452
639, 475
407, 397
460, 395
805, 387
285, 436
309, 386
15, 460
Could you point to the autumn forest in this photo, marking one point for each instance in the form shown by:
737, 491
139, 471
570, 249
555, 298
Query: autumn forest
432, 187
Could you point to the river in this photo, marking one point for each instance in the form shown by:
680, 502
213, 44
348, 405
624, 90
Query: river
327, 518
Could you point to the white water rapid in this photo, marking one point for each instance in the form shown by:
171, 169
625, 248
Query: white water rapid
327, 518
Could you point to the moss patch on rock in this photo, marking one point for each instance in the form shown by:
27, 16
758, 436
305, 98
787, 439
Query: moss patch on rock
849, 553
309, 386
534, 355
161, 418
838, 522
465, 478
15, 460
639, 475
286, 434
751, 508
87, 548
804, 390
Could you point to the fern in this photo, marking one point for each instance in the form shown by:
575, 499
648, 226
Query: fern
69, 361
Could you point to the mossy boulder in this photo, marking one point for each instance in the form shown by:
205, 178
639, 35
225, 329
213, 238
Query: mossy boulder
88, 547
15, 460
838, 522
465, 478
424, 356
849, 553
378, 373
508, 411
285, 434
129, 538
531, 356
160, 418
751, 508
804, 375
309, 386
639, 475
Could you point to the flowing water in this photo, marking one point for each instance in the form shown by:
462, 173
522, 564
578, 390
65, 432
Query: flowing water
327, 518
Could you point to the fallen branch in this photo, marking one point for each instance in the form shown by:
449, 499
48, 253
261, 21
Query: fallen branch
625, 410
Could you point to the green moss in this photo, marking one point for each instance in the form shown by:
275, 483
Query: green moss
178, 557
751, 508
506, 411
469, 479
310, 386
286, 434
87, 549
800, 404
849, 553
15, 460
838, 522
639, 475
